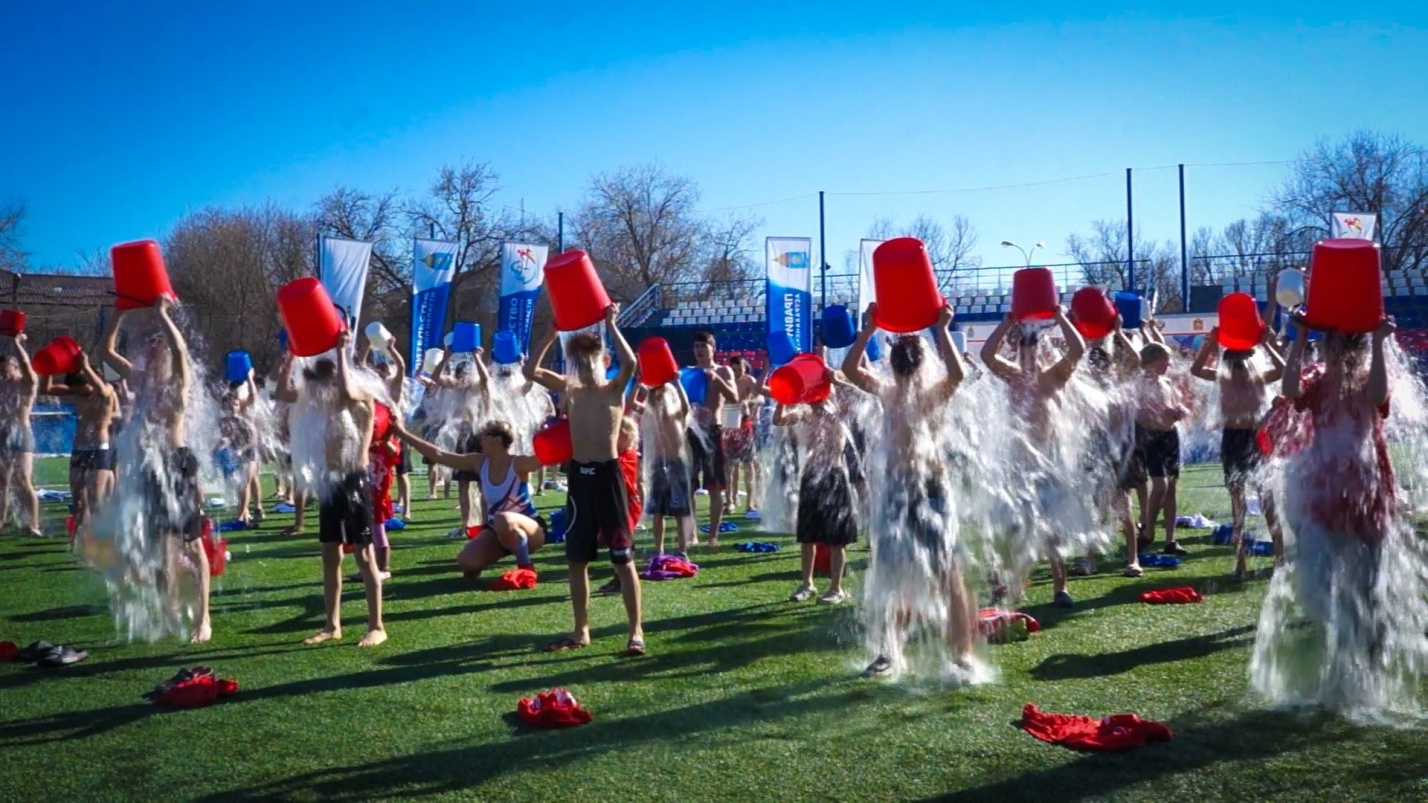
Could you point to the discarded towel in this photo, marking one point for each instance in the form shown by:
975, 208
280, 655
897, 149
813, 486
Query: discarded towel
284, 507
1195, 522
194, 688
8, 651
1156, 560
724, 527
1180, 595
669, 567
514, 580
757, 546
556, 708
1108, 734
754, 515
396, 524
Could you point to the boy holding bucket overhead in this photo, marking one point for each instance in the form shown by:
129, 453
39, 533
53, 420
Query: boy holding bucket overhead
598, 505
1242, 406
706, 437
918, 531
172, 491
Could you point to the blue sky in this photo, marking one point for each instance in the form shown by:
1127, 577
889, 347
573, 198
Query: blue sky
119, 121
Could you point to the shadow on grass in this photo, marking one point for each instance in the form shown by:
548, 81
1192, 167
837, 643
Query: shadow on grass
1204, 739
63, 612
458, 768
1075, 667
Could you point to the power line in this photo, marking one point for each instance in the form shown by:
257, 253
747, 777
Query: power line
982, 189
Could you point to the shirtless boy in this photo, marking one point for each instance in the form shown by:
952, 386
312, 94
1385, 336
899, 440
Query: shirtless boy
18, 385
91, 462
597, 508
706, 438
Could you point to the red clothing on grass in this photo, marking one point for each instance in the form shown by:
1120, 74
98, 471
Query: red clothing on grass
1110, 734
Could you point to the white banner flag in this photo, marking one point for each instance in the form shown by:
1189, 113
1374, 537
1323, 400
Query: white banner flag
1354, 225
343, 271
867, 292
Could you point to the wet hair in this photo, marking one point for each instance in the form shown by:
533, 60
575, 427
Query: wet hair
499, 429
630, 430
584, 346
736, 362
1154, 352
707, 338
1029, 337
905, 356
462, 371
1099, 359
320, 371
77, 379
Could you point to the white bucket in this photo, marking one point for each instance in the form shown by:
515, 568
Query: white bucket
110, 375
379, 337
446, 341
1289, 289
430, 360
731, 416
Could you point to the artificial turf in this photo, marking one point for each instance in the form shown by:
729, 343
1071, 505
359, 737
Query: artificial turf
744, 695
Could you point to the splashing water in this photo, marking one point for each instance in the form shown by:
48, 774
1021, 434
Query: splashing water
162, 470
1343, 624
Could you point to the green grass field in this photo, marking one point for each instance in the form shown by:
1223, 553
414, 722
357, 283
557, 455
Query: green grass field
744, 695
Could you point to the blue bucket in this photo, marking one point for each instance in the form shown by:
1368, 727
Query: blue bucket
504, 349
1130, 307
695, 383
839, 331
781, 348
238, 365
465, 337
283, 338
875, 349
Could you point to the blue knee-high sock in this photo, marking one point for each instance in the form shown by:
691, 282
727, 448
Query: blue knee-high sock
523, 553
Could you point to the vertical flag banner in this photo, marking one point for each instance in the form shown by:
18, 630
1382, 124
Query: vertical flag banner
867, 294
1354, 225
790, 289
342, 268
522, 271
433, 268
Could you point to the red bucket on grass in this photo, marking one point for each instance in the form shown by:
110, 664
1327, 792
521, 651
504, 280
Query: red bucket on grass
309, 317
1345, 291
1093, 313
552, 444
908, 298
12, 322
61, 356
1241, 327
657, 363
577, 296
1034, 296
802, 380
140, 278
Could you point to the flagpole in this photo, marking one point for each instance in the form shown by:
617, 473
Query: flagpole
822, 255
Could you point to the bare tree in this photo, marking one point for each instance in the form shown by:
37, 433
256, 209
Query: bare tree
372, 218
12, 257
1370, 172
731, 257
1103, 259
950, 249
640, 227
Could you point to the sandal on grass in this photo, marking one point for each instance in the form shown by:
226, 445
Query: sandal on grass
564, 644
635, 648
291, 531
32, 653
1133, 571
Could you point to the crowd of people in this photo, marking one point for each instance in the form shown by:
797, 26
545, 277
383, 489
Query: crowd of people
341, 429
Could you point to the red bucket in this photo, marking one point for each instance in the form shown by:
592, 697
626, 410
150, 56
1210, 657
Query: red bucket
1241, 327
61, 356
657, 364
803, 380
908, 298
552, 445
310, 318
1345, 291
1034, 296
577, 297
12, 322
140, 278
1092, 313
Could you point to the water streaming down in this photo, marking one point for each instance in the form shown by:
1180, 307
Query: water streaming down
1343, 623
133, 546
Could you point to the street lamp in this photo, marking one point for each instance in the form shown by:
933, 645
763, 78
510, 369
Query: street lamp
1026, 255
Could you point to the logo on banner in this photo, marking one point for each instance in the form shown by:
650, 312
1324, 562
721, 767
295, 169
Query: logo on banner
524, 266
797, 260
437, 260
1354, 225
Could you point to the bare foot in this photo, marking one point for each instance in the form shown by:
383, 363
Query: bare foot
202, 634
373, 638
325, 634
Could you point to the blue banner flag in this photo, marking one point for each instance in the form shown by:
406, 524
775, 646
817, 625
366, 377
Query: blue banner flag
790, 289
433, 268
522, 272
